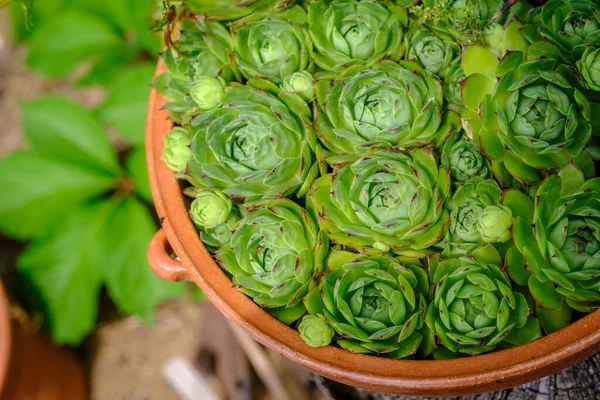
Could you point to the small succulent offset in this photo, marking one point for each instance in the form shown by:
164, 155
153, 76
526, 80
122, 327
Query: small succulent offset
374, 304
346, 33
272, 45
253, 146
387, 106
473, 219
463, 158
177, 152
274, 256
386, 201
435, 51
402, 178
475, 308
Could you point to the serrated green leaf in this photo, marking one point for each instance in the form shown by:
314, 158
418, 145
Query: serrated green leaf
58, 44
60, 129
66, 268
130, 282
126, 105
42, 192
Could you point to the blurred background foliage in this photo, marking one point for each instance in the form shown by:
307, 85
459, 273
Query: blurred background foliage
78, 195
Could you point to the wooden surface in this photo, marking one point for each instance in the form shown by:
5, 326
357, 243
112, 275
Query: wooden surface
579, 382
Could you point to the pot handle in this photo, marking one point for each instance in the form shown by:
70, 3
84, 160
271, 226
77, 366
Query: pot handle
161, 262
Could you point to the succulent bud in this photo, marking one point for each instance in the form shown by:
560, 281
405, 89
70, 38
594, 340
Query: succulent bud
208, 92
177, 152
210, 208
315, 331
494, 224
301, 83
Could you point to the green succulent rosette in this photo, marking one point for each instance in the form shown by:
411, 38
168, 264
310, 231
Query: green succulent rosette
350, 32
475, 308
375, 305
463, 158
232, 9
435, 51
275, 255
570, 25
467, 206
272, 45
589, 68
210, 208
254, 146
301, 83
177, 153
388, 106
201, 54
315, 331
536, 118
562, 248
386, 201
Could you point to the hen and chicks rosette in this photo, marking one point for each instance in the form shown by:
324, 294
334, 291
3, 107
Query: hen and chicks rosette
407, 179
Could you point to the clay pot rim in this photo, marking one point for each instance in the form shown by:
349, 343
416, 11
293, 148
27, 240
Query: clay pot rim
477, 374
5, 336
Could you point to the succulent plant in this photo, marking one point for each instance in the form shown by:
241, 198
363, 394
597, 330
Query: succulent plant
315, 331
233, 9
210, 208
475, 308
387, 200
350, 32
467, 205
333, 149
570, 25
388, 106
201, 53
208, 92
589, 67
494, 224
254, 146
272, 45
177, 153
434, 51
374, 304
562, 251
541, 119
274, 256
302, 83
463, 158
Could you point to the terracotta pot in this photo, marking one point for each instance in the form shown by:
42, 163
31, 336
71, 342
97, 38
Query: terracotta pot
476, 374
32, 368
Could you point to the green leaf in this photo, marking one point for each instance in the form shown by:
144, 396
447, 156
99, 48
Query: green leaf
42, 192
66, 269
130, 282
554, 320
58, 44
136, 167
126, 106
60, 129
544, 294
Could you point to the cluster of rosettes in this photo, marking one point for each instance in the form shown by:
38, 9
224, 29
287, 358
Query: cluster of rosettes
401, 178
